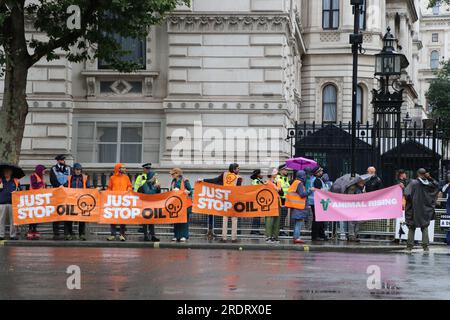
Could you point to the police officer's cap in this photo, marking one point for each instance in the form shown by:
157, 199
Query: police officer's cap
60, 157
147, 165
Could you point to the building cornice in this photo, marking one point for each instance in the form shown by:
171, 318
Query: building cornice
218, 23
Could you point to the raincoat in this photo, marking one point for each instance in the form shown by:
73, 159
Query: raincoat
119, 182
298, 214
420, 202
34, 183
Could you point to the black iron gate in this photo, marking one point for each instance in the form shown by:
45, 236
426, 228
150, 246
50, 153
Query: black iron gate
388, 148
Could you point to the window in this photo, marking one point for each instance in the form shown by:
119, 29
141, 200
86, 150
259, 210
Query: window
329, 104
362, 16
330, 14
112, 142
435, 37
434, 61
436, 9
135, 49
359, 104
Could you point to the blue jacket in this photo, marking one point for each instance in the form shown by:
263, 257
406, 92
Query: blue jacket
77, 182
6, 189
315, 183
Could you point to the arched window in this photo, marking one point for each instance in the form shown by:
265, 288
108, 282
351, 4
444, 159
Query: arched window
359, 104
434, 60
329, 101
330, 14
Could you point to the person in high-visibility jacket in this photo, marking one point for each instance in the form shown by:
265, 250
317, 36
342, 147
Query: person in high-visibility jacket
143, 178
229, 178
77, 180
147, 180
283, 179
296, 199
257, 179
273, 223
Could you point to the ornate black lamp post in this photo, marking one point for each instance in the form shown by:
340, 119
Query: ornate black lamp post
387, 101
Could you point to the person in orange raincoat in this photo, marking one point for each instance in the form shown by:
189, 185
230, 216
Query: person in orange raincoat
119, 182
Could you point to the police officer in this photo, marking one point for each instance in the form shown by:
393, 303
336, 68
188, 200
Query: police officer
58, 177
148, 176
142, 178
283, 179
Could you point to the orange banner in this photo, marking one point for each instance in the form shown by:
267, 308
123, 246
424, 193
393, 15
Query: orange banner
58, 204
137, 208
242, 202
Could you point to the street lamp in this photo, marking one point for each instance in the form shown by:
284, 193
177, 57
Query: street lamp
407, 120
389, 63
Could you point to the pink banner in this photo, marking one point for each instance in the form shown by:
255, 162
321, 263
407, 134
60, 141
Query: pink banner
381, 204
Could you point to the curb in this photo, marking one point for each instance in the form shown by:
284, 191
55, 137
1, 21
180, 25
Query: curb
210, 246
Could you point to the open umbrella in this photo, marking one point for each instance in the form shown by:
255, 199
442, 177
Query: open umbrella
17, 171
300, 163
342, 183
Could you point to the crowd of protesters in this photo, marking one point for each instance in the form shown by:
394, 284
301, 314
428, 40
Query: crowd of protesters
296, 198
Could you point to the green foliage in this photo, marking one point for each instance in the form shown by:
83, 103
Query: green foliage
100, 19
438, 97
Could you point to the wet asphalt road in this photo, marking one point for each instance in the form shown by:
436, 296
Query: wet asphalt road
109, 273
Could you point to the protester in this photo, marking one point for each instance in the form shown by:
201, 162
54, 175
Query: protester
374, 182
37, 181
273, 223
327, 184
148, 183
402, 178
421, 194
229, 178
119, 182
296, 199
151, 186
8, 184
77, 180
181, 230
257, 179
283, 179
356, 187
316, 183
58, 178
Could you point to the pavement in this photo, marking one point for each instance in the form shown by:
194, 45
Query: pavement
71, 273
369, 246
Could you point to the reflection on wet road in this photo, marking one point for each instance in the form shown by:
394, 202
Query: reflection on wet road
107, 273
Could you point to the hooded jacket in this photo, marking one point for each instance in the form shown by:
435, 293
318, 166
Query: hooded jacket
298, 214
34, 181
119, 182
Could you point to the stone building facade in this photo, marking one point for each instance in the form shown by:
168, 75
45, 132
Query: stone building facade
435, 36
244, 70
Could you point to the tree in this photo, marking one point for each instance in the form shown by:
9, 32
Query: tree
84, 29
438, 97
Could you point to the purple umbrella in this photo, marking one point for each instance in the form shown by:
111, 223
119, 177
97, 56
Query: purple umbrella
300, 163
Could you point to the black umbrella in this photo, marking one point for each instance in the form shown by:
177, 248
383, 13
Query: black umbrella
17, 171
